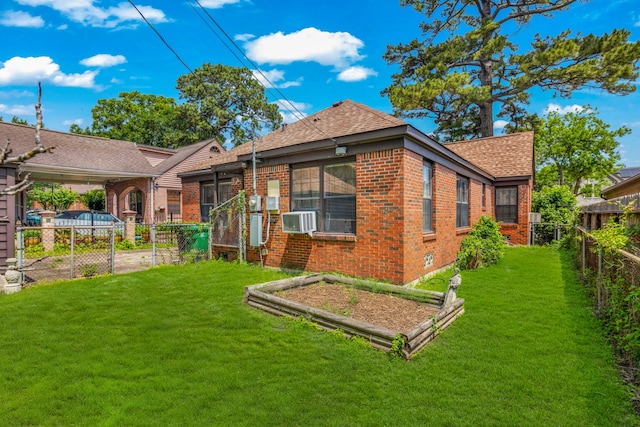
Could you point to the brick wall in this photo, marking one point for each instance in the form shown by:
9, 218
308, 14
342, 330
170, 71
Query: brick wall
518, 234
121, 191
389, 243
191, 202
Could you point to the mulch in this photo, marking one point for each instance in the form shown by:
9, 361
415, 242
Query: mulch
391, 312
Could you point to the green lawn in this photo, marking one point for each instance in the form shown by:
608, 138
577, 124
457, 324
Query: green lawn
175, 346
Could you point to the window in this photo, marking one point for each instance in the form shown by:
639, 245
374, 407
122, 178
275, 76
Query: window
507, 205
135, 204
209, 198
173, 202
462, 202
427, 204
330, 191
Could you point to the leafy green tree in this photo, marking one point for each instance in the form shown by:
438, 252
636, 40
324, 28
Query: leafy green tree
467, 62
137, 117
75, 128
557, 205
55, 198
577, 146
94, 199
17, 120
226, 103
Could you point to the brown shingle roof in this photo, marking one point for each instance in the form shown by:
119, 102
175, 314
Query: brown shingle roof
501, 156
181, 154
81, 152
342, 119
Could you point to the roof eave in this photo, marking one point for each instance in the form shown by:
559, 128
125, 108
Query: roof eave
81, 175
611, 192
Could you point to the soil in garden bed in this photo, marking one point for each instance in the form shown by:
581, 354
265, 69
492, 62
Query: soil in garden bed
394, 313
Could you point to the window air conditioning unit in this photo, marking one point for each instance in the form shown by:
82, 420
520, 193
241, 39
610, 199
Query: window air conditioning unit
299, 222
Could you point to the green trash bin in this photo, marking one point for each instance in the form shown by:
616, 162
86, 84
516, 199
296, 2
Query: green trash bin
200, 240
193, 238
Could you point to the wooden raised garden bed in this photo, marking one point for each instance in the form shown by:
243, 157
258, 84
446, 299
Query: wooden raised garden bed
265, 297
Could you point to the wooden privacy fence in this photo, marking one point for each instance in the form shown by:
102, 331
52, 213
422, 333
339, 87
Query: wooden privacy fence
617, 266
262, 296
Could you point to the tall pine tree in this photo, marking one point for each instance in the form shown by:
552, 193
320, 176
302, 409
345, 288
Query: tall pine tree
468, 62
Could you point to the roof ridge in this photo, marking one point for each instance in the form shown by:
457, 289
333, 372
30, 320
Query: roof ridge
484, 138
60, 132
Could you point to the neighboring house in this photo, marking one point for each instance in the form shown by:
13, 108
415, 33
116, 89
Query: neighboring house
166, 164
390, 203
135, 177
76, 159
624, 192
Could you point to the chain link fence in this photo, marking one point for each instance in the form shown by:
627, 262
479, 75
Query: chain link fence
78, 251
87, 251
546, 232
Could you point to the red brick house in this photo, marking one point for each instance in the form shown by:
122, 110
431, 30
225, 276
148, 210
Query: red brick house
390, 203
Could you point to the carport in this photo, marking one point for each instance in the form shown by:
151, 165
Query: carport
118, 166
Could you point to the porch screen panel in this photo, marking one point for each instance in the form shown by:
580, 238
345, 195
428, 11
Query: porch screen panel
340, 198
225, 189
507, 205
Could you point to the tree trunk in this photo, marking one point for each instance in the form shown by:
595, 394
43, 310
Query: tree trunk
486, 107
486, 119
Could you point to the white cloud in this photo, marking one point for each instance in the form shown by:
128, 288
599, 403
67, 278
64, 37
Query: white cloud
13, 94
292, 111
104, 60
17, 110
500, 124
72, 122
217, 4
556, 108
13, 18
273, 78
243, 37
31, 70
62, 27
338, 49
356, 74
86, 13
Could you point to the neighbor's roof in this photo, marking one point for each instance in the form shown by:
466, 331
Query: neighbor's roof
181, 154
342, 119
75, 154
501, 156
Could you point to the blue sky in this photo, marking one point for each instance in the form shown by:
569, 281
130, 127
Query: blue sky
315, 53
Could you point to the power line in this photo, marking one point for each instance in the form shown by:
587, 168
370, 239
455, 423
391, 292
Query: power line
160, 36
301, 116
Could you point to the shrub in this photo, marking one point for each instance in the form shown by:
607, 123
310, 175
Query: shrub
483, 246
557, 205
32, 233
94, 199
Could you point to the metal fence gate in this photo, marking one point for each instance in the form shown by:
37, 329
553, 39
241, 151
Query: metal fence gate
229, 229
